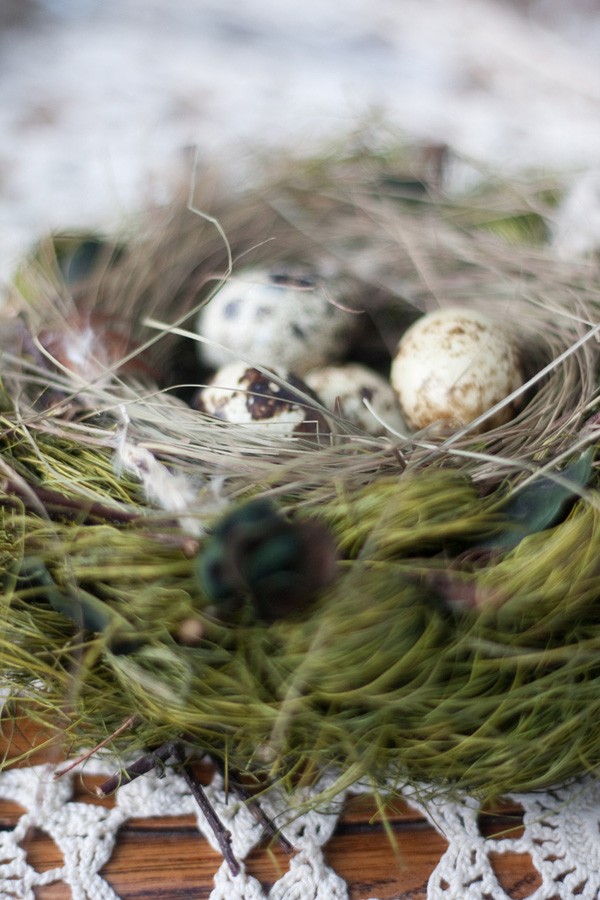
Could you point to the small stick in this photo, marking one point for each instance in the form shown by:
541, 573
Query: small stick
126, 724
260, 815
256, 810
146, 763
221, 833
67, 505
139, 767
56, 504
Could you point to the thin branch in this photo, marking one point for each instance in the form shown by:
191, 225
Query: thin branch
126, 724
262, 818
58, 503
140, 767
146, 763
222, 834
255, 808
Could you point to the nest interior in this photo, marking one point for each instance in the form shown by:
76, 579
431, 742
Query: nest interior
457, 644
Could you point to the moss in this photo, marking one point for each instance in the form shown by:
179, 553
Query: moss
430, 657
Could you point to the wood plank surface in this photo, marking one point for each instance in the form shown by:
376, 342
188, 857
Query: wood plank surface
167, 859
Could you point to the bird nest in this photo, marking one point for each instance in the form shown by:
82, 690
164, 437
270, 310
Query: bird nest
411, 607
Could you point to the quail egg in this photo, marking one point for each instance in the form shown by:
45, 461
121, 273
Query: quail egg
343, 389
453, 365
279, 317
91, 346
240, 394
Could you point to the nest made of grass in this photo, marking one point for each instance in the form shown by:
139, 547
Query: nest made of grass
431, 657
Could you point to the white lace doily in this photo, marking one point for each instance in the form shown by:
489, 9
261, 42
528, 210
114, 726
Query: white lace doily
561, 833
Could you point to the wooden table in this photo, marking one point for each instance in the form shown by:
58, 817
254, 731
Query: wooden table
167, 859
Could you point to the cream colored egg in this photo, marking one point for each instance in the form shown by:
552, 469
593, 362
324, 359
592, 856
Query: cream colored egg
453, 365
342, 390
242, 395
275, 317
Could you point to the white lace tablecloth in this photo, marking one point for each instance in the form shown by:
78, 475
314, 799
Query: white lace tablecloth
561, 833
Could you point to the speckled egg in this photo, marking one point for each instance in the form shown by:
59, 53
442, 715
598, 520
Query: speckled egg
91, 346
453, 365
242, 395
279, 317
343, 389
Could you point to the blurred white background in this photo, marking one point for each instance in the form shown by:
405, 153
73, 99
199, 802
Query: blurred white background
100, 100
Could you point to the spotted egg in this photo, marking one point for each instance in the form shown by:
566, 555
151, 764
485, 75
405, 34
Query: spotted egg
279, 317
92, 347
343, 390
243, 395
453, 365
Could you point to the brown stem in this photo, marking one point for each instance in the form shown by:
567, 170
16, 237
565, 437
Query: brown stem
125, 725
221, 833
256, 810
58, 503
260, 815
146, 763
140, 767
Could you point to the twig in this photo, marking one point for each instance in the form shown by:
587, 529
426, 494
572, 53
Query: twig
266, 821
139, 767
256, 810
126, 724
222, 834
58, 503
146, 763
